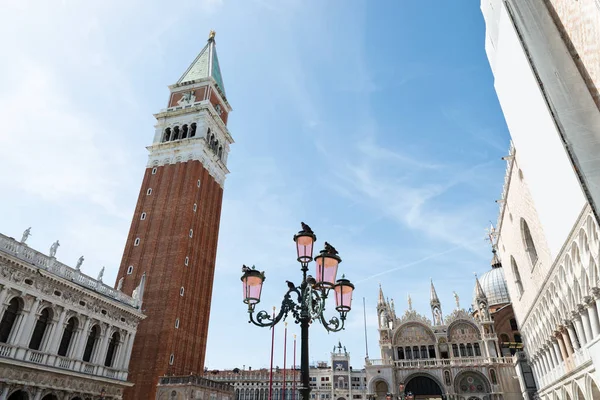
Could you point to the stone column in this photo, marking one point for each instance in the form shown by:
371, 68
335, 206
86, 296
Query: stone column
593, 314
3, 296
128, 352
546, 361
567, 341
26, 329
38, 394
579, 328
572, 335
57, 333
556, 351
101, 351
4, 394
83, 335
122, 351
585, 320
561, 344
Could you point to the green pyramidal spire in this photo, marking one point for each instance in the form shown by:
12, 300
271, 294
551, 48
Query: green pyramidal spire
206, 64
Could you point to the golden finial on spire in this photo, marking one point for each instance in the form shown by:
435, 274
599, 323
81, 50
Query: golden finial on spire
211, 35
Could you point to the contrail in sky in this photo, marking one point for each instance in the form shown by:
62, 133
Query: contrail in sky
410, 264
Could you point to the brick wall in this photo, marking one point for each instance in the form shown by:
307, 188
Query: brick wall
165, 243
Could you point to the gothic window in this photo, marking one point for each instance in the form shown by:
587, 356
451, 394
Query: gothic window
513, 324
136, 242
400, 353
455, 351
130, 270
215, 146
431, 351
40, 329
143, 216
220, 152
149, 192
237, 394
171, 359
463, 351
493, 377
181, 291
67, 336
408, 353
184, 131
423, 352
470, 350
91, 342
167, 135
154, 170
515, 270
8, 319
477, 350
187, 261
176, 133
208, 136
177, 323
112, 349
193, 130
528, 241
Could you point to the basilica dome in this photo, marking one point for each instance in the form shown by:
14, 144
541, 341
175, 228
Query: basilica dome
494, 287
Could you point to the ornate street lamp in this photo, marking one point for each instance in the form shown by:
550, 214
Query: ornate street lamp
308, 302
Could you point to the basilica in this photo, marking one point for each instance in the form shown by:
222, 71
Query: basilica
455, 356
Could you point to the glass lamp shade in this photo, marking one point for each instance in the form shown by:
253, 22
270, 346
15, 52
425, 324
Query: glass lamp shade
252, 282
304, 245
343, 295
327, 266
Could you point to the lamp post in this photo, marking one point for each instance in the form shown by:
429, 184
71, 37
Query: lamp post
308, 301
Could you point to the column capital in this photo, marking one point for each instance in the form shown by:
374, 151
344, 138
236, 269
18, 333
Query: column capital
581, 308
568, 323
576, 316
589, 301
596, 292
557, 333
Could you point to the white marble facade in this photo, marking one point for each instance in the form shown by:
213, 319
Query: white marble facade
63, 334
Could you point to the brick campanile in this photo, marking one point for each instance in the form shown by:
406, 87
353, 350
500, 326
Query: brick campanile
172, 241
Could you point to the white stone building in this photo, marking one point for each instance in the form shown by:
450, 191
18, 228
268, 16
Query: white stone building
454, 357
63, 334
328, 381
547, 231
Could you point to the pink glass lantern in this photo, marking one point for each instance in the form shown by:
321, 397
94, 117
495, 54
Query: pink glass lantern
343, 295
327, 265
305, 240
252, 282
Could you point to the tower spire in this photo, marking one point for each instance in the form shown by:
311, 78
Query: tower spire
381, 300
205, 65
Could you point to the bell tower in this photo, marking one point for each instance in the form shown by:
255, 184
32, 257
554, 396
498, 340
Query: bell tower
172, 241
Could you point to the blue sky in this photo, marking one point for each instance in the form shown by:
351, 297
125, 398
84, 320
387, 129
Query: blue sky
374, 122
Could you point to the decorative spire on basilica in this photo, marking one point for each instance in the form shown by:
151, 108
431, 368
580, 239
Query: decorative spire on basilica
409, 303
436, 306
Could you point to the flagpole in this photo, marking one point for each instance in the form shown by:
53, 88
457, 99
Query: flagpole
284, 358
272, 348
294, 369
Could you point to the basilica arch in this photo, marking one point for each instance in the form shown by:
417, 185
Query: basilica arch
471, 383
422, 383
414, 340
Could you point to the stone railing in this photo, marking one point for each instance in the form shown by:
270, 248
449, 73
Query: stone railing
12, 352
195, 380
436, 362
50, 264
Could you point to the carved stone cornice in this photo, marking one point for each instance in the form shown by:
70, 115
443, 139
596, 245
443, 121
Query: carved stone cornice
32, 378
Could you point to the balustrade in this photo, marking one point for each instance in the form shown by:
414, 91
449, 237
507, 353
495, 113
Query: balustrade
27, 254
